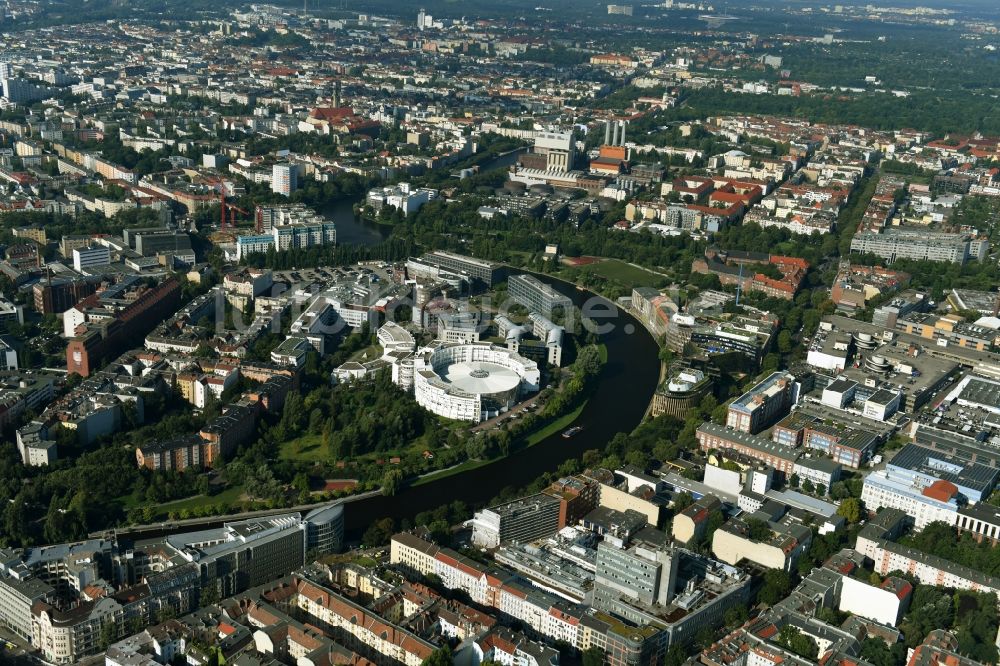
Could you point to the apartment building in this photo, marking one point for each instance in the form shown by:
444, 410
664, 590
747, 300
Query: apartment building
918, 244
284, 179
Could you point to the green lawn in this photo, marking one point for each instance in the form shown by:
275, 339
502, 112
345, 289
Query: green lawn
369, 353
228, 496
452, 471
307, 448
558, 425
622, 273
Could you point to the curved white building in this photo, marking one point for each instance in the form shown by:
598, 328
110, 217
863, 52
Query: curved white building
471, 382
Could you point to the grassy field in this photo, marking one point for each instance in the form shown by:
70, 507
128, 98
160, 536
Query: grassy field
622, 273
369, 353
228, 496
307, 448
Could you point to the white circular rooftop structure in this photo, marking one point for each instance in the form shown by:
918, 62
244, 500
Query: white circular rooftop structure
471, 382
480, 377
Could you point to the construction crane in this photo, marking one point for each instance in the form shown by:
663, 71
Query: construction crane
233, 209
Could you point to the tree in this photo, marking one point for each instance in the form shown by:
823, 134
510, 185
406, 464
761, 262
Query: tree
392, 480
379, 532
799, 643
293, 416
785, 343
877, 653
850, 509
682, 501
475, 447
588, 361
316, 421
440, 657
758, 530
777, 585
209, 595
735, 616
109, 632
708, 405
593, 656
676, 655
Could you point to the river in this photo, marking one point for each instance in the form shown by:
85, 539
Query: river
353, 230
618, 404
623, 392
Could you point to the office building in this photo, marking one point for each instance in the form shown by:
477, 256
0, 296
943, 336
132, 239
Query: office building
778, 547
93, 255
763, 404
65, 598
401, 197
715, 437
16, 600
524, 520
10, 313
535, 295
928, 485
620, 10
249, 244
8, 356
56, 295
643, 573
325, 529
487, 273
681, 393
102, 339
22, 91
884, 603
471, 382
551, 336
294, 235
304, 234
24, 256
935, 503
150, 242
689, 525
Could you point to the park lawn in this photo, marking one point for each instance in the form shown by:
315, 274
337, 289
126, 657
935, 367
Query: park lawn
369, 353
518, 257
452, 471
552, 428
622, 273
229, 496
307, 448
131, 501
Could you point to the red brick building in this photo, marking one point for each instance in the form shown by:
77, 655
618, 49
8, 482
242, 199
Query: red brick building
101, 340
